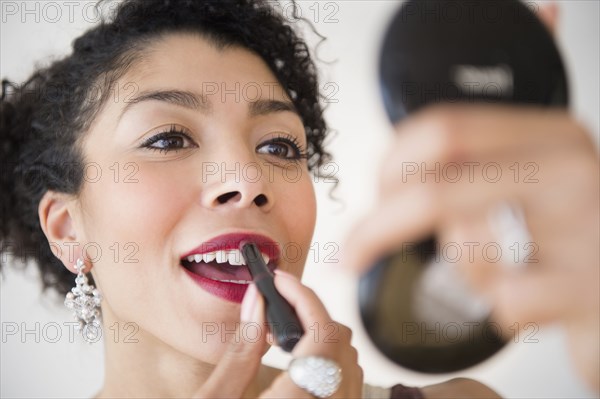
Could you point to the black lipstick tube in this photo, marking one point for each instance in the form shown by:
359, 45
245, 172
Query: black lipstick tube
281, 316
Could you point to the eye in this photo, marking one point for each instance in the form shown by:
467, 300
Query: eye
282, 147
171, 140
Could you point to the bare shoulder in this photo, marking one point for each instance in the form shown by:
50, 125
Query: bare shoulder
463, 388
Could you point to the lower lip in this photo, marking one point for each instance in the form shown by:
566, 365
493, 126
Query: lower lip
228, 291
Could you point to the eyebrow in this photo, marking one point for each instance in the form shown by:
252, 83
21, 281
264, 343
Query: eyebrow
180, 98
264, 107
200, 102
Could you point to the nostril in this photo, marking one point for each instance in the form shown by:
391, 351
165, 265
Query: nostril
260, 200
223, 198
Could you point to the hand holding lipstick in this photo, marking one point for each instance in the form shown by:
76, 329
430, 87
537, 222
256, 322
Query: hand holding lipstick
325, 338
283, 321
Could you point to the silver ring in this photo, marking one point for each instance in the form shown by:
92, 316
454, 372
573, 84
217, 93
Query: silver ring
318, 376
508, 224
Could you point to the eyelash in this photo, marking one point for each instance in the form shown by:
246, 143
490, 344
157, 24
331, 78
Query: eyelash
293, 142
173, 132
176, 132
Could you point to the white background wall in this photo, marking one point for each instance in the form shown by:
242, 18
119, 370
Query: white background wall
33, 366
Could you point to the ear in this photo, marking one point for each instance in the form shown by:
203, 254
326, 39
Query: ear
56, 219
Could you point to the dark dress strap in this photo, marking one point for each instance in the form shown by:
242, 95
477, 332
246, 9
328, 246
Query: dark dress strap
400, 391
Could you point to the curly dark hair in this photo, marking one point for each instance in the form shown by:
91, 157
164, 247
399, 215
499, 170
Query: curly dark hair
43, 120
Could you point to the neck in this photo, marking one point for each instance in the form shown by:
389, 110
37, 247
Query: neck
138, 365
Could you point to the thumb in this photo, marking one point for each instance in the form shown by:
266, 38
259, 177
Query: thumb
240, 362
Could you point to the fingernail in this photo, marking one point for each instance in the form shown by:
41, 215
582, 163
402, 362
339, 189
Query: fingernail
249, 303
285, 274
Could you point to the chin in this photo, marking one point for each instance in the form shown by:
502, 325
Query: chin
213, 342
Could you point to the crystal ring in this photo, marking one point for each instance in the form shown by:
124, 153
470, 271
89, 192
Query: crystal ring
507, 223
318, 376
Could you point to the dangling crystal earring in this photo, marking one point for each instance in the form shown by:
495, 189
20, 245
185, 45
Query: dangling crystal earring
84, 300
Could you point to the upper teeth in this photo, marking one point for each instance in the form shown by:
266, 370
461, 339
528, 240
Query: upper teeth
232, 256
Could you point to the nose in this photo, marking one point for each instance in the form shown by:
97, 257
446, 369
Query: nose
238, 191
260, 200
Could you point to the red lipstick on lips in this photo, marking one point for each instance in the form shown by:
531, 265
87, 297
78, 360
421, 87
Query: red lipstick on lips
217, 264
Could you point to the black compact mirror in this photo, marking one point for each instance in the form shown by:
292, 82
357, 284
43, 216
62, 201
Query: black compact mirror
415, 307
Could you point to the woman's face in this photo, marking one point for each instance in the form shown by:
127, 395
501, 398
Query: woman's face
228, 165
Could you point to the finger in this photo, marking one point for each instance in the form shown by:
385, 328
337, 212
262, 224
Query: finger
403, 217
271, 339
487, 133
322, 335
307, 305
475, 263
243, 354
529, 181
457, 134
284, 387
475, 129
532, 296
548, 14
351, 385
518, 293
421, 141
409, 215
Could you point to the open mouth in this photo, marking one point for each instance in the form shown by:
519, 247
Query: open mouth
219, 268
226, 266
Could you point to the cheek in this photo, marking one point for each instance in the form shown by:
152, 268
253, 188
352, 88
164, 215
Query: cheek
128, 225
139, 211
298, 211
305, 206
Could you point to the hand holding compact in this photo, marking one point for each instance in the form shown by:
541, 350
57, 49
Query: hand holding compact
482, 134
